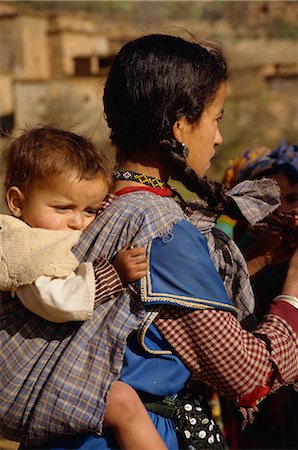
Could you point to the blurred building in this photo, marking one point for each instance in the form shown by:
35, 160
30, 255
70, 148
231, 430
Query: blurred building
47, 64
53, 67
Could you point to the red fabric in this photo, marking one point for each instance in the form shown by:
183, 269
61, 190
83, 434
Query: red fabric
250, 399
215, 348
286, 311
163, 192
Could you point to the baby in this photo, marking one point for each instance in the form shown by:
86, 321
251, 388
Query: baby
56, 182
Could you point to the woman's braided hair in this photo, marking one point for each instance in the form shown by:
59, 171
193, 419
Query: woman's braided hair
154, 81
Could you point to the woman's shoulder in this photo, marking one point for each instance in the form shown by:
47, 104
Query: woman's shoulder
143, 206
137, 217
145, 200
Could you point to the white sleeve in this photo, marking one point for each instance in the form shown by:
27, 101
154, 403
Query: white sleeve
61, 299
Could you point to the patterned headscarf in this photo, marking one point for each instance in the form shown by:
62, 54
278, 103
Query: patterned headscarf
255, 162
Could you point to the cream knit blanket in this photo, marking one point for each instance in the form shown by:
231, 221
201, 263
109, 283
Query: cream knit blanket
27, 253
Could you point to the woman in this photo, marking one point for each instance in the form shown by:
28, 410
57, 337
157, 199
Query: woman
276, 425
280, 165
163, 101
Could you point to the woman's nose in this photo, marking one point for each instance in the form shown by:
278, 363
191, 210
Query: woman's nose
218, 138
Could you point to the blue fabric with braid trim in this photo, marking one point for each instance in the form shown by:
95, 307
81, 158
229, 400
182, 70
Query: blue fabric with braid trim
181, 272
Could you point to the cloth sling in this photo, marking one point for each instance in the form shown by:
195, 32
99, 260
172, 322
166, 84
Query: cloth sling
55, 377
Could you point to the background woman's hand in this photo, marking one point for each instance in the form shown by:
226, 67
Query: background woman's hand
269, 249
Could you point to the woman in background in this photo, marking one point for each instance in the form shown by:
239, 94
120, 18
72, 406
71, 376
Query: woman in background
276, 424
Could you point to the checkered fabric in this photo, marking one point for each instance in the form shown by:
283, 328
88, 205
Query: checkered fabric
55, 377
256, 198
217, 350
137, 218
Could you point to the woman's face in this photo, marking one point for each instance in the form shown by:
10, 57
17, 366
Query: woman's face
288, 193
202, 137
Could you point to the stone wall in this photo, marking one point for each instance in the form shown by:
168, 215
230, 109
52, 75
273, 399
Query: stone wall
24, 46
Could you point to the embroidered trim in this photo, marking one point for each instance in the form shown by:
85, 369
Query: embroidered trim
143, 330
150, 297
130, 175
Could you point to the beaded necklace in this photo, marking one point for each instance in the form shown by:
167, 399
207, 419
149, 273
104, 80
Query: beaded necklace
130, 175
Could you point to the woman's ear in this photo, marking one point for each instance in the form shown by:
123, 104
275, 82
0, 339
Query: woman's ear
14, 199
178, 129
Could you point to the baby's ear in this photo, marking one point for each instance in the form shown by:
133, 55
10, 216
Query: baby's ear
14, 199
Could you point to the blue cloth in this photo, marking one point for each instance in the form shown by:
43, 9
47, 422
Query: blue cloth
182, 273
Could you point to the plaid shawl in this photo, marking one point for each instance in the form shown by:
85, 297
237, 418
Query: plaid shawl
55, 377
255, 199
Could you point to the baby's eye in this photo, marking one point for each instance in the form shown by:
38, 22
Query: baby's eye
91, 212
61, 208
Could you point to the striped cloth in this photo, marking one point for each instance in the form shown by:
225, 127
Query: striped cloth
107, 281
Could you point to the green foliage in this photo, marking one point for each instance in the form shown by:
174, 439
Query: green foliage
213, 11
280, 28
153, 12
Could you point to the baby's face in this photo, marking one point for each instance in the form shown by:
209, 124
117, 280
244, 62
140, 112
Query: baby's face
63, 203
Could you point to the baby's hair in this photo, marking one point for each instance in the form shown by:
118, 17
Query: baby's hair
46, 151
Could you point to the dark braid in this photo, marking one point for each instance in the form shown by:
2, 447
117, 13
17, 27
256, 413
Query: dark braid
154, 81
212, 192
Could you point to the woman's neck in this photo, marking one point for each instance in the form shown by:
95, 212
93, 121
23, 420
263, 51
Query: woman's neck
154, 171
